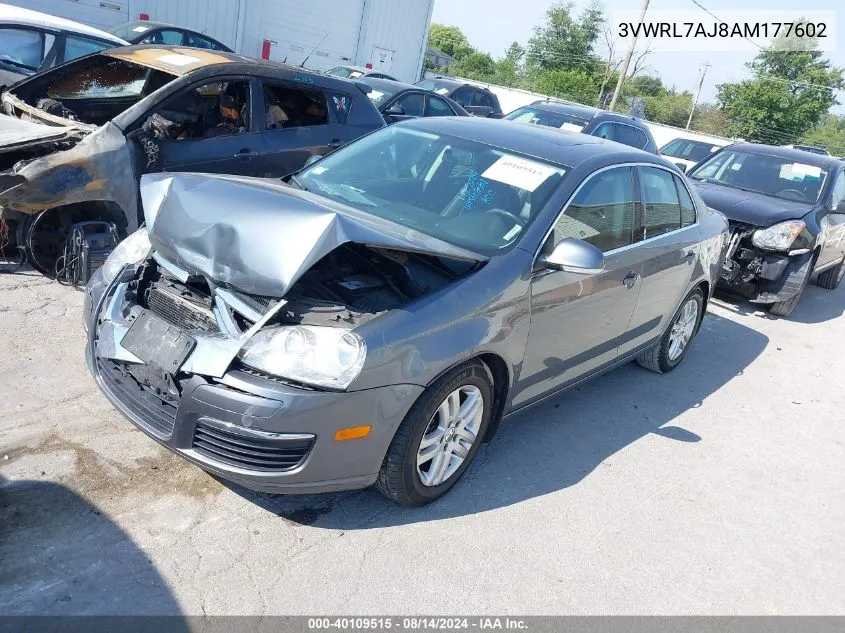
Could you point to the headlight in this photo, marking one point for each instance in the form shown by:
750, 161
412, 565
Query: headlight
132, 250
324, 356
778, 237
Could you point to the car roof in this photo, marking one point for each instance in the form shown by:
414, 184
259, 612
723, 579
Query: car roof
566, 148
28, 17
181, 60
798, 155
566, 108
445, 81
156, 25
387, 85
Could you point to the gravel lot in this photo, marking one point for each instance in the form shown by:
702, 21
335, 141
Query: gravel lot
715, 489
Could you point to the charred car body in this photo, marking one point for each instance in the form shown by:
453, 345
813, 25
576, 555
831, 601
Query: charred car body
786, 210
375, 318
74, 141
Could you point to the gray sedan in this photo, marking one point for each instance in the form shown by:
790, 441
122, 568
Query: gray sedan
375, 318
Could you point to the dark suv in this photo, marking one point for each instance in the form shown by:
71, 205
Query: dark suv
572, 117
474, 99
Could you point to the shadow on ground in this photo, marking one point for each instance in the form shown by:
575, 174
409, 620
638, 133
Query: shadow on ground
60, 555
817, 305
558, 443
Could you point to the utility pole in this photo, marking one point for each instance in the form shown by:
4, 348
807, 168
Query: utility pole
703, 71
627, 60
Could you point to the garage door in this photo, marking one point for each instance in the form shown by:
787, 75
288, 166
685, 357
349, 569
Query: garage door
295, 28
101, 14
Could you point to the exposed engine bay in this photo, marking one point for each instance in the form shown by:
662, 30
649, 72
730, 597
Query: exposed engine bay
350, 286
745, 264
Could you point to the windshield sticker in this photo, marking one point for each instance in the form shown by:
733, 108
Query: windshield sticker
176, 59
518, 172
305, 79
141, 29
512, 233
798, 172
442, 91
375, 95
319, 169
476, 189
571, 127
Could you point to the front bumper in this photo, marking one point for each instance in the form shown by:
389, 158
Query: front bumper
255, 431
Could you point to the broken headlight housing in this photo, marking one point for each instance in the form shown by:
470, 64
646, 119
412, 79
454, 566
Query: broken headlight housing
133, 250
322, 356
778, 237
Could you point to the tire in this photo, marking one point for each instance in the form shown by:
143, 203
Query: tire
400, 477
832, 277
785, 308
660, 358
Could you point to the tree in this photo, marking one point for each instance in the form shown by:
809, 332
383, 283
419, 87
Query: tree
829, 134
514, 54
790, 93
450, 40
709, 118
669, 108
564, 42
474, 66
574, 85
646, 86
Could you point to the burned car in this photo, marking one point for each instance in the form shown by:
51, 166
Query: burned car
374, 319
786, 210
75, 140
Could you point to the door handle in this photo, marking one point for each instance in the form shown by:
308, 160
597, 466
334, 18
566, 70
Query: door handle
689, 258
335, 143
631, 279
245, 153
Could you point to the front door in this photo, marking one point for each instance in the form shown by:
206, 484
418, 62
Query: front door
832, 224
669, 244
578, 321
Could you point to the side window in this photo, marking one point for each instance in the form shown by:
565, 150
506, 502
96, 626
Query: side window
437, 107
687, 207
602, 212
660, 198
628, 135
606, 130
22, 47
463, 96
481, 99
198, 41
838, 194
79, 46
164, 36
642, 139
412, 102
289, 106
219, 108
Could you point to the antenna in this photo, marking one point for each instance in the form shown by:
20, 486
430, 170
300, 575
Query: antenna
302, 65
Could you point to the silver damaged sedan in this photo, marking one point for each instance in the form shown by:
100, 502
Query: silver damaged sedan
374, 318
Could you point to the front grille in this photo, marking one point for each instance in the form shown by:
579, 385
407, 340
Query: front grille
182, 306
153, 411
251, 453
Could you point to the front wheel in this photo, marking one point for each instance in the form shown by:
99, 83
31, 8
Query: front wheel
832, 277
439, 437
670, 350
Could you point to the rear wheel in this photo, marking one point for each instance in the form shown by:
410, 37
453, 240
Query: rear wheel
832, 277
674, 344
439, 437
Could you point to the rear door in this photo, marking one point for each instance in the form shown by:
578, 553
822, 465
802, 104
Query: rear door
299, 119
668, 237
579, 321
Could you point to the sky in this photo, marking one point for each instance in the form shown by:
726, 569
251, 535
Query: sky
491, 25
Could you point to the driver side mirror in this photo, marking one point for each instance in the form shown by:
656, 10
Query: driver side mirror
396, 110
576, 256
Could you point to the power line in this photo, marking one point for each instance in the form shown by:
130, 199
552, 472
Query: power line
721, 21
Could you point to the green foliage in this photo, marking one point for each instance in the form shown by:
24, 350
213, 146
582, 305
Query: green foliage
565, 42
790, 93
646, 86
474, 66
450, 40
573, 85
669, 108
709, 118
830, 134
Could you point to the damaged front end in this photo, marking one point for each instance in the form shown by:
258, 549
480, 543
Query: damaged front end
232, 318
767, 264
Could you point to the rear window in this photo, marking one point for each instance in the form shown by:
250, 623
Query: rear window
440, 87
688, 149
537, 116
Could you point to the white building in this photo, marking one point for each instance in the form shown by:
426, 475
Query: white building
388, 34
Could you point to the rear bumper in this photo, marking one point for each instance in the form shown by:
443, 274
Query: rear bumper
255, 431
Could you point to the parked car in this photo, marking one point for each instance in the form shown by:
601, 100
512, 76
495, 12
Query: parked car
31, 42
146, 32
476, 100
373, 320
686, 152
572, 117
94, 126
786, 209
813, 149
357, 72
397, 101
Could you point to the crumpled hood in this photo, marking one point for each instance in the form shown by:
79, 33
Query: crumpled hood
259, 235
749, 207
16, 134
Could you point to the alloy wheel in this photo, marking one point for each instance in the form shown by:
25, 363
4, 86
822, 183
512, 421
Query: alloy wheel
683, 329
